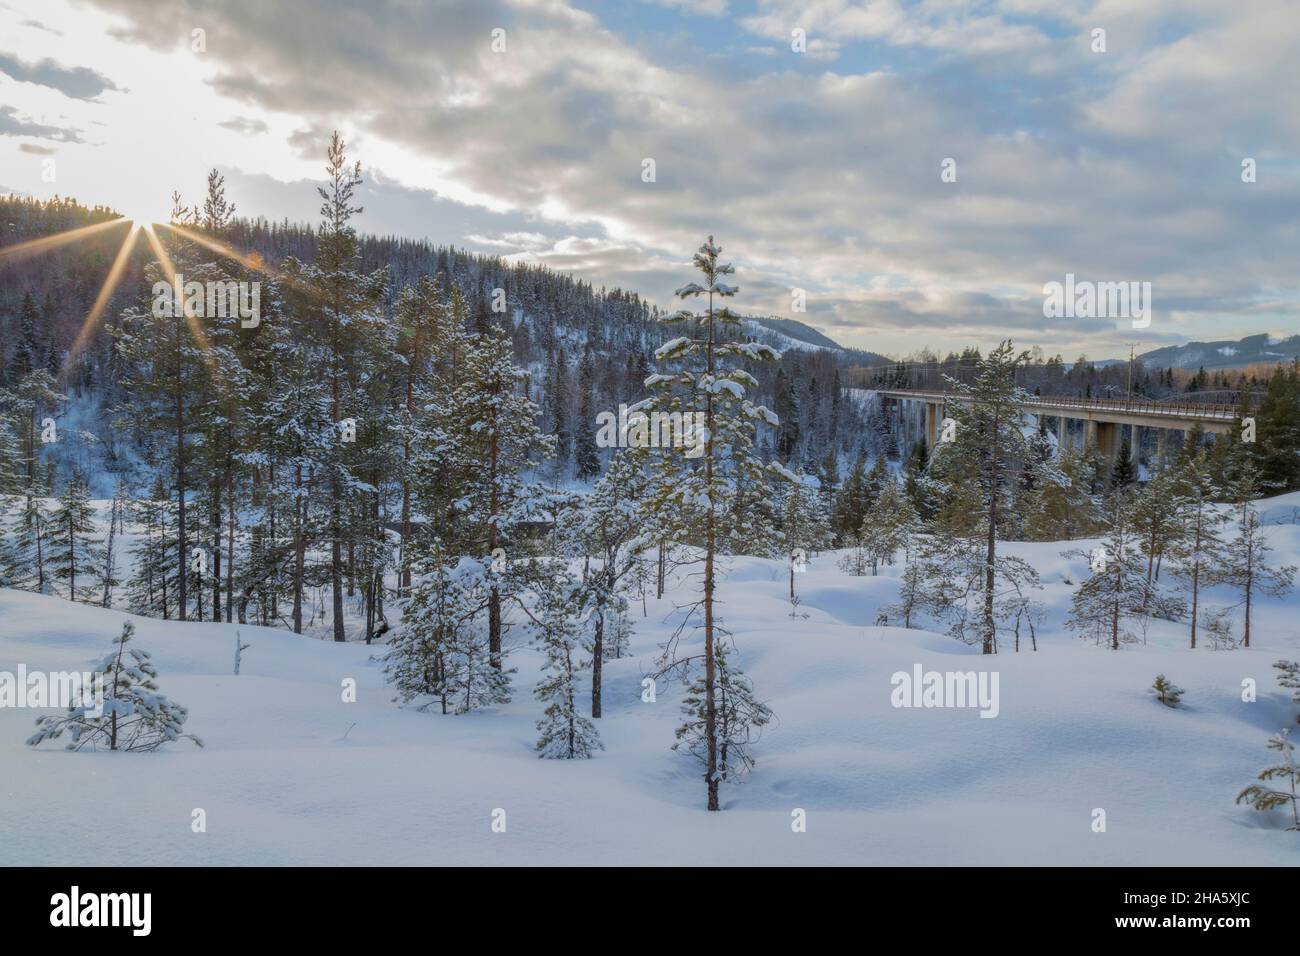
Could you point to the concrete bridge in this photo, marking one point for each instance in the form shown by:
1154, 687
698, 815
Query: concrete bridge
1103, 418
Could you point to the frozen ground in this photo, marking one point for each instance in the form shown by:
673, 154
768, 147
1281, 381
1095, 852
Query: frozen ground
292, 774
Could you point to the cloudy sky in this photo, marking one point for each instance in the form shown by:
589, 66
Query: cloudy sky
817, 169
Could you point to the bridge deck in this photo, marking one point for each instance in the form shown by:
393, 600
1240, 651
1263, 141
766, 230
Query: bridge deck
1143, 411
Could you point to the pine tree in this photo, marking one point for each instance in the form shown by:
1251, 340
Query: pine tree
888, 527
1156, 520
1244, 559
1062, 506
31, 551
490, 431
560, 425
1267, 798
135, 717
106, 557
562, 602
1199, 549
979, 473
73, 538
416, 661
152, 588
344, 300
701, 493
738, 718
586, 455
609, 526
1115, 594
1166, 691
805, 523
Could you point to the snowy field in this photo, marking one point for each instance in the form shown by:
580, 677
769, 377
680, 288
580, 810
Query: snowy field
293, 774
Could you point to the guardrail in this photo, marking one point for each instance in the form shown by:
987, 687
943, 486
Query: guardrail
1131, 406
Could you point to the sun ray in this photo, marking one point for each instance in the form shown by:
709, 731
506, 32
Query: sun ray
36, 246
249, 260
195, 327
106, 290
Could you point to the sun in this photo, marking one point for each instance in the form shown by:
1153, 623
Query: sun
142, 214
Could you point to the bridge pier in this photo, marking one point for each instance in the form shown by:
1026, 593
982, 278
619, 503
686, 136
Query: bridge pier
1062, 435
931, 425
1107, 440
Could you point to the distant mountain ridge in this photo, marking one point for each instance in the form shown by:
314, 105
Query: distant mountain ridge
1227, 353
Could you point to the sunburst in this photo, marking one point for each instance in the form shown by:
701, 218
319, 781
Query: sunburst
134, 228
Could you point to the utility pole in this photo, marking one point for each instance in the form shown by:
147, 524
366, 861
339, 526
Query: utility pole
1130, 372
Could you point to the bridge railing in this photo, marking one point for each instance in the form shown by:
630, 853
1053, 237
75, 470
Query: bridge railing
1137, 406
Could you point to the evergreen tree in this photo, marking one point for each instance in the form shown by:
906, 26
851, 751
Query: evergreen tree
1115, 595
152, 588
561, 603
73, 538
889, 526
416, 661
979, 472
586, 455
698, 494
1062, 505
135, 717
1166, 691
1245, 563
490, 430
1265, 798
609, 526
32, 544
1199, 549
106, 557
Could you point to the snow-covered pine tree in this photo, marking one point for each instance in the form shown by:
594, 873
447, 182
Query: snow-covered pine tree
490, 433
32, 530
1061, 506
979, 473
73, 539
618, 635
416, 662
1166, 691
475, 676
889, 526
1198, 550
609, 526
699, 494
805, 522
1114, 597
562, 602
135, 715
1288, 676
345, 302
585, 452
152, 588
1156, 525
1245, 558
738, 719
1265, 798
106, 557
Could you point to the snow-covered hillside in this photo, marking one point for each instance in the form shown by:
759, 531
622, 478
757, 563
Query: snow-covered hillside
292, 774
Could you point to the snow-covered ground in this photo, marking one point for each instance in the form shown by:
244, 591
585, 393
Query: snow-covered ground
293, 774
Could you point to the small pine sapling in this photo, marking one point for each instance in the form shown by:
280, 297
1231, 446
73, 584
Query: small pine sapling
1267, 798
134, 715
1166, 691
1288, 676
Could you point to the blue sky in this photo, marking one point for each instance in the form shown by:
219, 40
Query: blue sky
817, 170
